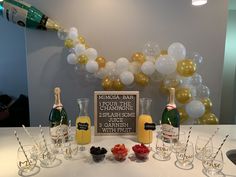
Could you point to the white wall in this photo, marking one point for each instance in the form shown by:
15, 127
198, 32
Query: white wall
119, 28
13, 74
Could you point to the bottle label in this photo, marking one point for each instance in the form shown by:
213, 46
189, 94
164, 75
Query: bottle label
59, 133
82, 126
14, 13
170, 133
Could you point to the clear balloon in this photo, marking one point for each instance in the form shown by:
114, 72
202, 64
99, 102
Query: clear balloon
110, 65
101, 73
79, 49
203, 91
134, 67
196, 79
62, 34
185, 81
151, 59
148, 68
166, 64
197, 58
156, 77
151, 49
195, 109
177, 51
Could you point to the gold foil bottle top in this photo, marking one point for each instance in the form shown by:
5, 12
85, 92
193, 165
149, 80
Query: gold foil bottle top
52, 25
172, 96
57, 90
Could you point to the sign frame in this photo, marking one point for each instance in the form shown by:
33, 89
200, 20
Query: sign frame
96, 121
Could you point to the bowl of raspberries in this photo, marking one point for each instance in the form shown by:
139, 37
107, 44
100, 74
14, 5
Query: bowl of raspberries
141, 151
98, 153
119, 152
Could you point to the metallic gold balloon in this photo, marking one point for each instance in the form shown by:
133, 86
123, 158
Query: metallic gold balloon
107, 83
164, 52
183, 95
101, 62
83, 59
139, 57
118, 85
82, 40
208, 118
86, 46
207, 103
141, 79
183, 114
69, 43
186, 67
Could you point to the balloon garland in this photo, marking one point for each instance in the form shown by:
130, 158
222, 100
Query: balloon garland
169, 67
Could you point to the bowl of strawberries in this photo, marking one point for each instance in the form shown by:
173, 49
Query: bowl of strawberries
119, 152
141, 151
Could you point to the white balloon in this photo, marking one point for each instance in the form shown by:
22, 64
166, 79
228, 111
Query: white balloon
203, 91
73, 29
148, 68
72, 59
79, 49
166, 64
195, 109
151, 49
91, 53
134, 67
196, 79
177, 51
92, 66
127, 77
73, 33
62, 34
122, 64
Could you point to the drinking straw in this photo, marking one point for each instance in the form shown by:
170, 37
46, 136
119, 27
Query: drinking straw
59, 130
186, 145
21, 146
223, 142
211, 137
44, 140
69, 129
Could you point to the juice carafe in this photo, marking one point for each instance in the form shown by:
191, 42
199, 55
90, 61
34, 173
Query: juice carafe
83, 123
144, 136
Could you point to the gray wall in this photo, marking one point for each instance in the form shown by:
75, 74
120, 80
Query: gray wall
13, 74
119, 28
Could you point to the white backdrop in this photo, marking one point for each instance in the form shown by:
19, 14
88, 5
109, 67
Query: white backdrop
117, 28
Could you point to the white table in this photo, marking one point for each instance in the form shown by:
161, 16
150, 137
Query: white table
85, 167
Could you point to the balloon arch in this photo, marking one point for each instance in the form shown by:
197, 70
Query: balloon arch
169, 67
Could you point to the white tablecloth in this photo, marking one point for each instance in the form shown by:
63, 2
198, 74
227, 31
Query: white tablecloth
85, 167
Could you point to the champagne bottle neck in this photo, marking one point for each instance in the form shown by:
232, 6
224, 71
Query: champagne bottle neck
57, 103
172, 98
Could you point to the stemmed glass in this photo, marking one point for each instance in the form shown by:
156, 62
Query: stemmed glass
163, 149
213, 163
180, 143
202, 145
185, 157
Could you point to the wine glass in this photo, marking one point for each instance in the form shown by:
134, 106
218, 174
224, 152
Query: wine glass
185, 157
180, 143
70, 149
163, 149
213, 163
202, 145
26, 161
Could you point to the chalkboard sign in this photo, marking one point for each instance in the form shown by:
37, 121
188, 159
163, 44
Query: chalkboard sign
150, 126
115, 113
82, 126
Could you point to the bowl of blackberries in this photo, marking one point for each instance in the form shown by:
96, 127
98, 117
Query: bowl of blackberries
98, 153
141, 151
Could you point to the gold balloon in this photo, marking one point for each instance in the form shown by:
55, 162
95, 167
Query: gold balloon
82, 40
141, 79
164, 52
83, 59
207, 103
107, 83
101, 62
183, 114
183, 95
86, 46
208, 118
139, 57
118, 85
69, 43
186, 67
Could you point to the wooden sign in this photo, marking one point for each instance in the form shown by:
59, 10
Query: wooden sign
115, 113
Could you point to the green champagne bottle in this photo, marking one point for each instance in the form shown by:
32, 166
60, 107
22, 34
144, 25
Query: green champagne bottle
170, 122
58, 120
23, 14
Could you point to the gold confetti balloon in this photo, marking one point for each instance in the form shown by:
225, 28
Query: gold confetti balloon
183, 114
107, 83
208, 118
141, 79
118, 85
183, 95
82, 59
138, 57
101, 62
207, 103
69, 43
82, 40
186, 67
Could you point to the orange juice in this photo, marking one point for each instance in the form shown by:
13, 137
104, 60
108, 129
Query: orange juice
144, 136
83, 130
